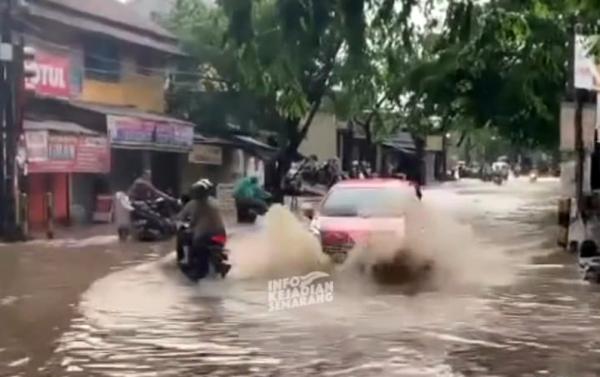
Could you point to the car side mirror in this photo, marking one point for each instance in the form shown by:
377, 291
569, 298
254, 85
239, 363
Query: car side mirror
308, 210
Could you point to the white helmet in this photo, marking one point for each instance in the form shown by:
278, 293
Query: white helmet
201, 188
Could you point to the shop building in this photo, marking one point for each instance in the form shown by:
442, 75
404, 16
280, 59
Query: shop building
101, 73
67, 161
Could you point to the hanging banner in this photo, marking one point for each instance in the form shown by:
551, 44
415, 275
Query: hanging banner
141, 133
68, 154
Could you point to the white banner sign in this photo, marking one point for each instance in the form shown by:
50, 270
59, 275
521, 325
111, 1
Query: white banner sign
225, 197
586, 70
36, 143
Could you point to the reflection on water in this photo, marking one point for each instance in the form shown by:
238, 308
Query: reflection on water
148, 321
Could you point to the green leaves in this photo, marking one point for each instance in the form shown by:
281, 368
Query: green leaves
500, 64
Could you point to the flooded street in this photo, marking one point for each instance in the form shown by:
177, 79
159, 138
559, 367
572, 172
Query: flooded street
523, 313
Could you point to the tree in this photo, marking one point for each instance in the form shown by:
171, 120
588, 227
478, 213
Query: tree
500, 65
286, 55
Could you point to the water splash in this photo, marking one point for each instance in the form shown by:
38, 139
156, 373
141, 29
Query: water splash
436, 251
283, 247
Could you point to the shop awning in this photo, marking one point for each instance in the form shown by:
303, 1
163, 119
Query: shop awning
401, 142
255, 147
57, 126
217, 141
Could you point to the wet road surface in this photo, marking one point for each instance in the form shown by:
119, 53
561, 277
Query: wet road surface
534, 319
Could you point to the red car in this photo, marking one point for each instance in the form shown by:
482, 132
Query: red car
353, 210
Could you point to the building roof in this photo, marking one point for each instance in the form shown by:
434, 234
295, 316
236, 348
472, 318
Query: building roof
57, 126
108, 17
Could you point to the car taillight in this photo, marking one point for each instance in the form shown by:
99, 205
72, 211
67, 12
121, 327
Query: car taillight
335, 238
220, 239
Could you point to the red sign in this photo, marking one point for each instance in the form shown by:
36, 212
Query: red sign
52, 75
72, 154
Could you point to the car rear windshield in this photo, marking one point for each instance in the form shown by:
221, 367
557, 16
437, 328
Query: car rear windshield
368, 202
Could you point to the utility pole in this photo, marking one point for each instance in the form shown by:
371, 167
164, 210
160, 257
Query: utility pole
580, 97
12, 76
5, 102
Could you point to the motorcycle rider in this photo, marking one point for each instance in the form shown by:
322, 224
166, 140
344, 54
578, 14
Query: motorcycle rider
206, 223
141, 191
249, 194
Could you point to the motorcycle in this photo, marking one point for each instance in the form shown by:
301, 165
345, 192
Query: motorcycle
146, 220
589, 262
208, 259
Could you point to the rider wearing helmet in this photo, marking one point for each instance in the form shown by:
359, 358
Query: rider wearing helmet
204, 218
202, 211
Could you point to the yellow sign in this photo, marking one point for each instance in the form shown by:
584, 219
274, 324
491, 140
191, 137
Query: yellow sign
206, 154
435, 144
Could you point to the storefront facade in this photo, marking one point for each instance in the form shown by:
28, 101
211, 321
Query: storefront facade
148, 142
65, 161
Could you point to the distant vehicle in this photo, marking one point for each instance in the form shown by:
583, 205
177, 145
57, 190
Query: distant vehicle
501, 168
355, 209
533, 177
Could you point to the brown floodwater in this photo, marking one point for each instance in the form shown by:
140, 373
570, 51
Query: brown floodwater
504, 302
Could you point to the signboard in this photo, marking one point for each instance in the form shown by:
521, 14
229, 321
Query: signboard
435, 144
206, 154
225, 197
140, 133
68, 154
37, 145
52, 75
567, 126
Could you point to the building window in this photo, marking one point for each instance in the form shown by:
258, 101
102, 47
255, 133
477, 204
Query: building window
148, 63
144, 63
102, 59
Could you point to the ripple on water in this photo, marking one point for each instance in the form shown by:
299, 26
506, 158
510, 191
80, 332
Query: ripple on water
148, 321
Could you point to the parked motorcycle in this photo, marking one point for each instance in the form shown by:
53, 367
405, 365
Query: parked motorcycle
146, 220
498, 179
209, 259
589, 262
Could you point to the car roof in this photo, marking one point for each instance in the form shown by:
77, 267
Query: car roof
373, 183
